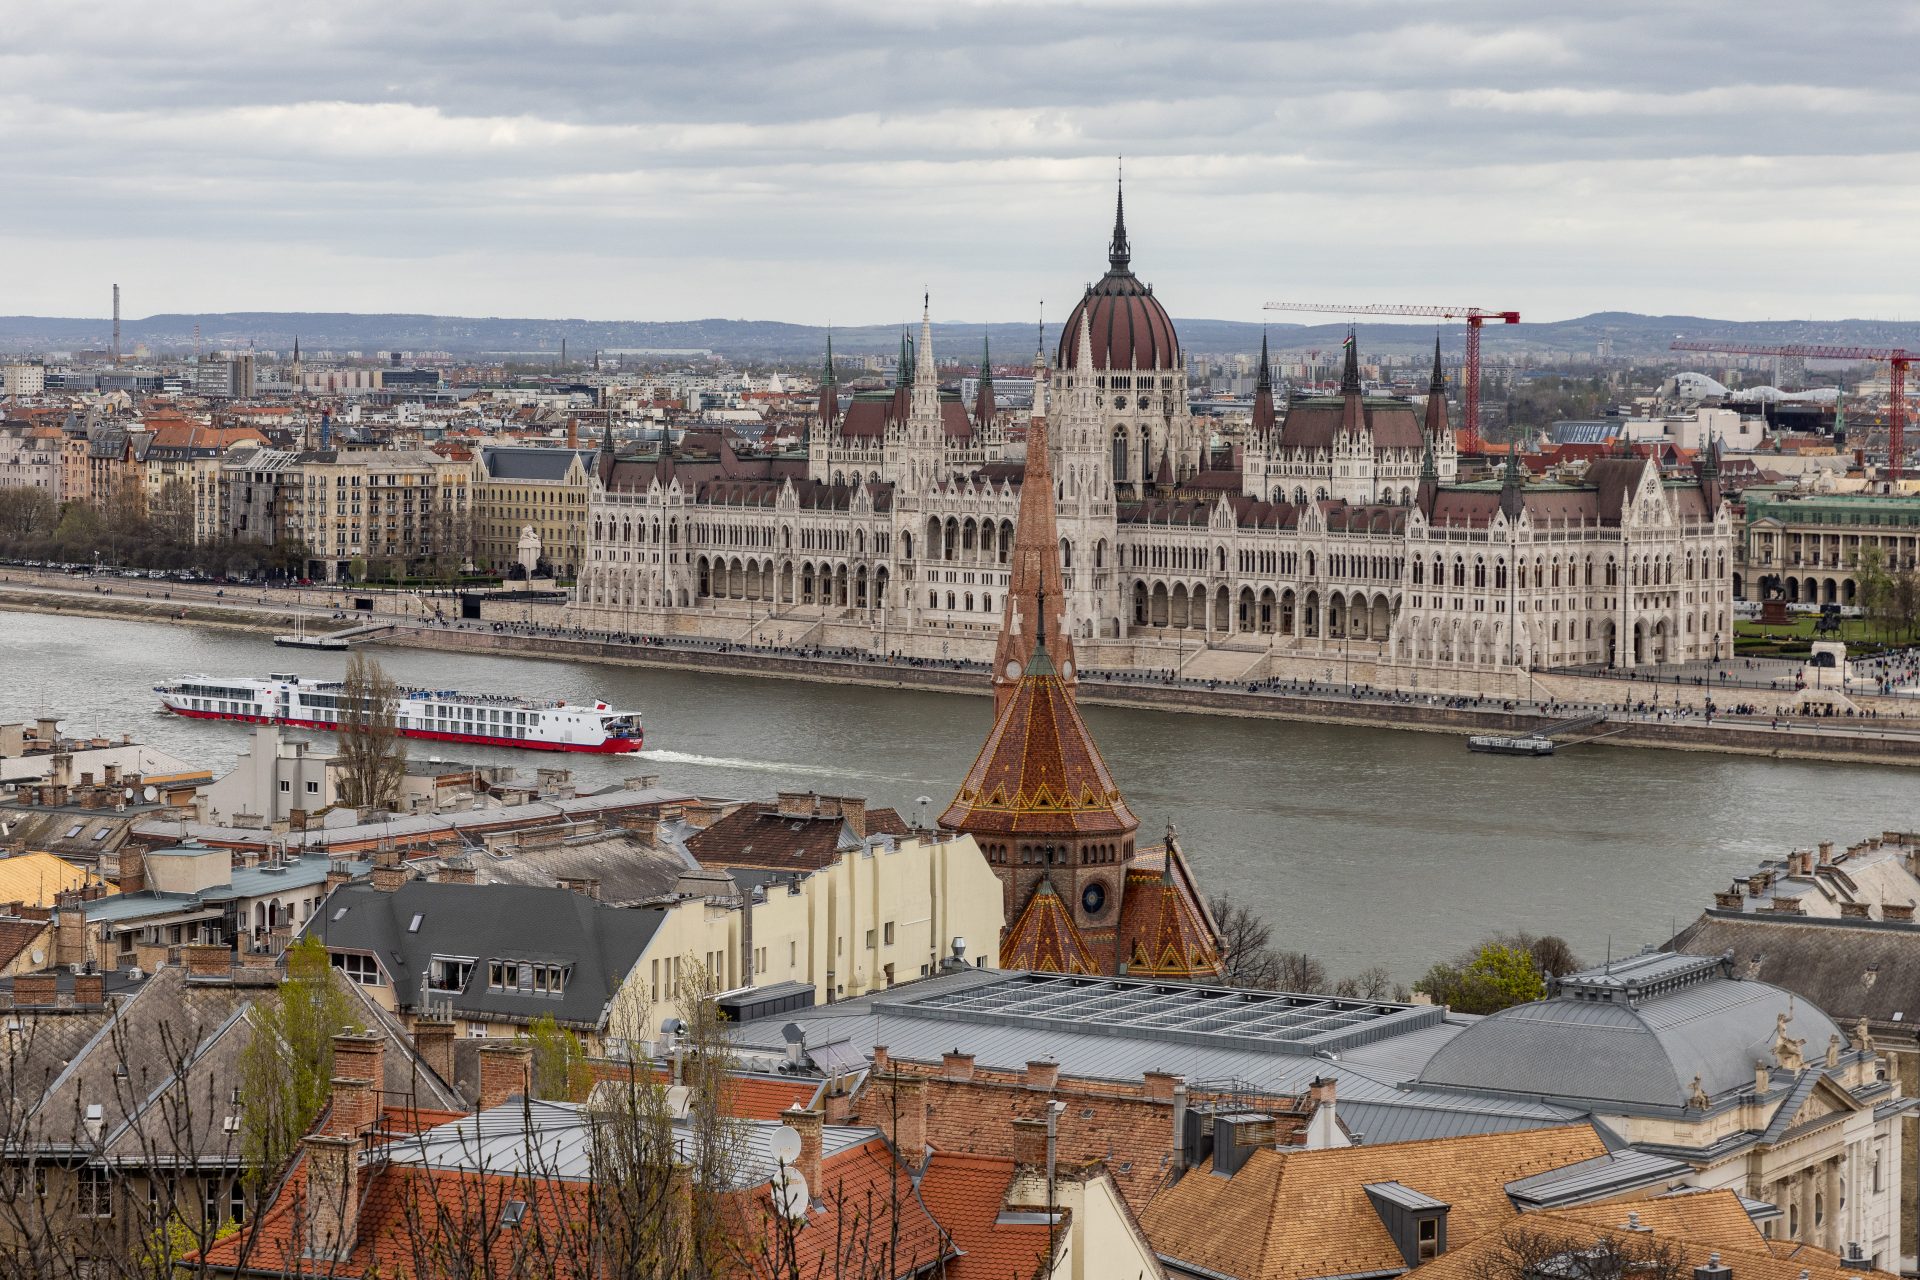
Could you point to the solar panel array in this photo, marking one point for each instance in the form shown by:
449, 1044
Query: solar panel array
1279, 1022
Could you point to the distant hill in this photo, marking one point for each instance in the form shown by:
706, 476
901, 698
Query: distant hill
767, 340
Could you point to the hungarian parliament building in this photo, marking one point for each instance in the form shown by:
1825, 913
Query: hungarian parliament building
1336, 540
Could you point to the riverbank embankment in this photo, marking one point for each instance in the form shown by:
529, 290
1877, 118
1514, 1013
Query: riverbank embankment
1844, 741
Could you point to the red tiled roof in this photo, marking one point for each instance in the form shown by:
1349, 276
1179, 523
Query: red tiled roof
966, 1192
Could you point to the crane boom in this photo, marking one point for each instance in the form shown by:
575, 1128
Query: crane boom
1803, 350
1474, 316
1895, 358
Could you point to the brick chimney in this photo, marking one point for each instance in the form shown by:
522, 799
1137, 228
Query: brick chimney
1160, 1085
506, 1071
1030, 1144
433, 1041
882, 1062
208, 961
70, 934
456, 873
957, 1066
910, 1119
360, 1056
854, 811
333, 1196
337, 874
1043, 1075
808, 1125
34, 989
133, 868
585, 886
388, 877
89, 990
353, 1108
1826, 853
1901, 911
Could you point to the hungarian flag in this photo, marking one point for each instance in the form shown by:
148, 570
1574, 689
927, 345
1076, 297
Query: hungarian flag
1347, 343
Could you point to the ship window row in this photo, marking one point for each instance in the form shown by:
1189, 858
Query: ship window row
217, 691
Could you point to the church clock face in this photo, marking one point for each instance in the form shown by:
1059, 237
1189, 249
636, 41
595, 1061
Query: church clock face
1093, 898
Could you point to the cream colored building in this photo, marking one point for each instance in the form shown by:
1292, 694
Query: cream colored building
883, 913
518, 487
375, 510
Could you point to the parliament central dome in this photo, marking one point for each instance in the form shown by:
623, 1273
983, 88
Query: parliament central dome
1128, 327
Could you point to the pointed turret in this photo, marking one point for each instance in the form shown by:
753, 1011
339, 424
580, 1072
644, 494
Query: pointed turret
1163, 475
1353, 416
902, 379
926, 380
1034, 581
1119, 252
983, 402
1436, 428
1263, 416
1710, 473
829, 407
1512, 499
1429, 489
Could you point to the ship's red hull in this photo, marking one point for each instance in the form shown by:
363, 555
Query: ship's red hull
611, 747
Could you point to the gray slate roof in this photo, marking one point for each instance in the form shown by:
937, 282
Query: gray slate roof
486, 922
1851, 968
1631, 1053
522, 463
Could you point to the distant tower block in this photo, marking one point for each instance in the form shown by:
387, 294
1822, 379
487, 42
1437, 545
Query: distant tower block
114, 354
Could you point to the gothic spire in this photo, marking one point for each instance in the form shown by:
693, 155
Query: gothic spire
1436, 402
1511, 500
1263, 415
1119, 252
983, 403
1350, 375
1034, 577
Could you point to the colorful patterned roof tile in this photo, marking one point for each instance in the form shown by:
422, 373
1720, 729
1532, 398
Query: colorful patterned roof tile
1044, 938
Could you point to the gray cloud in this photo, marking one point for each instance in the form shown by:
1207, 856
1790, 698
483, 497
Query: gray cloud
811, 161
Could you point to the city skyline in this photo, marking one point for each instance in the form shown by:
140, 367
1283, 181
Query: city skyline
830, 164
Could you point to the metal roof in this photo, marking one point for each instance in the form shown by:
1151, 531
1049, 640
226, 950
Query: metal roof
1269, 1021
556, 1140
1610, 1174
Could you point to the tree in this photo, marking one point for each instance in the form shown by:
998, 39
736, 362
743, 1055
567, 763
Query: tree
1245, 938
1877, 592
1494, 977
560, 1070
1552, 956
287, 1065
27, 513
373, 755
1527, 1253
1298, 971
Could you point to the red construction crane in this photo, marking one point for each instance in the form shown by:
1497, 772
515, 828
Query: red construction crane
1474, 316
1894, 358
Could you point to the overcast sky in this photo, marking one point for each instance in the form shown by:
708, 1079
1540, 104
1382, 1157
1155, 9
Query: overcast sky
815, 162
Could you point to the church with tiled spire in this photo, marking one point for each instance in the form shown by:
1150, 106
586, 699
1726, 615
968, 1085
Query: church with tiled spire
1080, 896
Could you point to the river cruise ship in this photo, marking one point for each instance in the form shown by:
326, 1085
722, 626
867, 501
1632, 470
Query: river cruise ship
442, 715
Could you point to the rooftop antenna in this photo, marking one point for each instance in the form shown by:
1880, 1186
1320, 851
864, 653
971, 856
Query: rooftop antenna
1609, 968
116, 326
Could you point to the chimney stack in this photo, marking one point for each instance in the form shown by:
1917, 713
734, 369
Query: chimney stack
506, 1071
333, 1196
910, 1119
1042, 1075
808, 1125
433, 1041
957, 1066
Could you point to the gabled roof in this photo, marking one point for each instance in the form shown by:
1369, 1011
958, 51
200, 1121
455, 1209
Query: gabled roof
966, 1194
1314, 423
1301, 1215
1044, 939
405, 928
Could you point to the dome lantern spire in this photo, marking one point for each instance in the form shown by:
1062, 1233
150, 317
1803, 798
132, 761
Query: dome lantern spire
1119, 252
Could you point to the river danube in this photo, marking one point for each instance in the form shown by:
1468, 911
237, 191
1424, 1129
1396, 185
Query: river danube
1361, 846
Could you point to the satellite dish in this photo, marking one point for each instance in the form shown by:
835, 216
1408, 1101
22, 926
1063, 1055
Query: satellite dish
149, 795
786, 1145
128, 793
789, 1193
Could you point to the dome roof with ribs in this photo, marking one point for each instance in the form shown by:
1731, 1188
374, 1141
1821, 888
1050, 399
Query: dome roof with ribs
1128, 327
